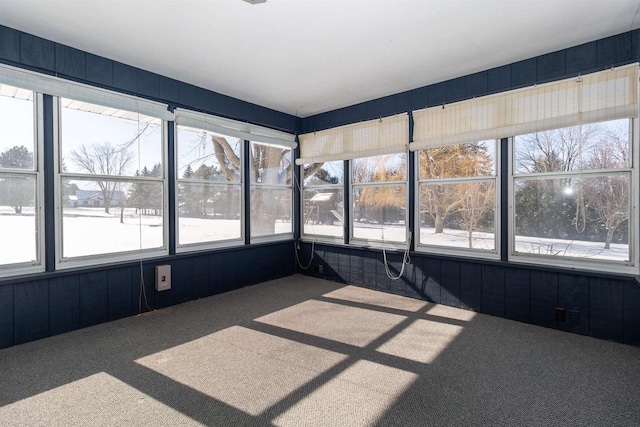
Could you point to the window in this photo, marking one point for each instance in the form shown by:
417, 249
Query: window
21, 197
209, 187
573, 196
457, 197
379, 194
323, 199
111, 182
271, 190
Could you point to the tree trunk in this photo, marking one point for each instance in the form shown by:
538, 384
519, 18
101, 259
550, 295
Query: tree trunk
439, 223
607, 242
18, 209
470, 239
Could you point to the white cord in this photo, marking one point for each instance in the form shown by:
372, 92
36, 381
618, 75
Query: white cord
406, 259
142, 292
313, 249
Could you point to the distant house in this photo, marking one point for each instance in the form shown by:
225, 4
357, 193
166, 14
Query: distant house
92, 199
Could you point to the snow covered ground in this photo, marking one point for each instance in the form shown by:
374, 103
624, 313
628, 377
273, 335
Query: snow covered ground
89, 231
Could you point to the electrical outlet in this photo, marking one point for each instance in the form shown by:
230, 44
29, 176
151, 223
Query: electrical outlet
573, 317
319, 269
560, 314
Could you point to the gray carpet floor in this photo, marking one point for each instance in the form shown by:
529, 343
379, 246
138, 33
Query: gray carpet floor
306, 352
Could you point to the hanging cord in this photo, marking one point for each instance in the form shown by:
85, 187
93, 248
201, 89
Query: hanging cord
580, 207
297, 249
406, 258
142, 294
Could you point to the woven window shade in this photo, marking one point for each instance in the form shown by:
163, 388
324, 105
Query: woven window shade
55, 86
371, 138
605, 95
234, 128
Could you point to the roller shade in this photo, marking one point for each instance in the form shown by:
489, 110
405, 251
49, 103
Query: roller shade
234, 128
375, 137
605, 95
55, 86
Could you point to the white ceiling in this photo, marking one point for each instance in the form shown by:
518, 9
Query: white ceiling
304, 57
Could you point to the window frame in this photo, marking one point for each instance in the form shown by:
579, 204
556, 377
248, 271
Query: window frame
620, 267
494, 254
37, 266
255, 185
379, 243
61, 262
211, 244
320, 237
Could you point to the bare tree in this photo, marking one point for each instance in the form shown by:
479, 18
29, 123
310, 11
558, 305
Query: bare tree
103, 159
476, 200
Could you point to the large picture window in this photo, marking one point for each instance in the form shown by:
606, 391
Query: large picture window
379, 194
111, 172
20, 181
323, 199
209, 187
271, 172
573, 195
457, 197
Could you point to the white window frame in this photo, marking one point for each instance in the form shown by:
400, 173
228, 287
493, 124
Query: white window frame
629, 267
61, 262
254, 185
319, 237
375, 243
37, 266
213, 244
459, 251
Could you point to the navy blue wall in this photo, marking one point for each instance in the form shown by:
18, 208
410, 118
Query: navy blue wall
53, 303
607, 306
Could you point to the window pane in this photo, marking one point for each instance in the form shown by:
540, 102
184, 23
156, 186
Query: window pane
116, 144
270, 211
460, 215
208, 156
584, 217
270, 164
388, 167
379, 212
100, 217
457, 161
592, 146
16, 130
208, 213
18, 219
324, 173
323, 212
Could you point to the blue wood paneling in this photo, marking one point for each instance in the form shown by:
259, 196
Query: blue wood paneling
431, 279
477, 84
544, 298
230, 270
581, 59
397, 286
632, 313
125, 77
200, 276
523, 73
187, 94
437, 94
119, 293
6, 316
516, 294
419, 98
148, 84
383, 283
493, 290
356, 274
37, 52
216, 274
9, 44
182, 279
635, 45
93, 298
614, 50
450, 283
551, 66
70, 62
471, 286
499, 79
369, 261
143, 283
606, 309
456, 89
169, 88
344, 265
31, 311
412, 278
573, 294
64, 304
99, 70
